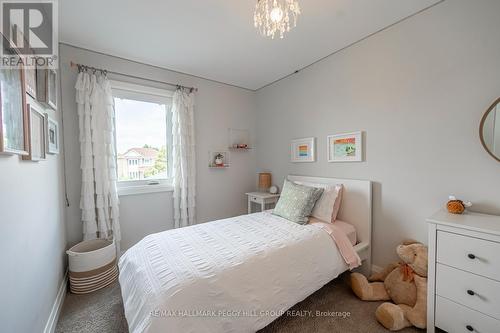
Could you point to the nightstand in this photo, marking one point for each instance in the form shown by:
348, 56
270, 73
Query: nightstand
263, 199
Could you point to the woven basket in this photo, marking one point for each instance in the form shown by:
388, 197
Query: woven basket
92, 265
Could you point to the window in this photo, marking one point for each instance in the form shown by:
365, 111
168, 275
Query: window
143, 137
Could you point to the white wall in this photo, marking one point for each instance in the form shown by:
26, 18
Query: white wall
32, 239
418, 90
220, 193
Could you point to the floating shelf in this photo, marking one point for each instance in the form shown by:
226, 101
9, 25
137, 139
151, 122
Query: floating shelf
219, 167
239, 137
234, 148
225, 159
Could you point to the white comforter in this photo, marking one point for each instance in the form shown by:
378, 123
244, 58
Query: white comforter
231, 275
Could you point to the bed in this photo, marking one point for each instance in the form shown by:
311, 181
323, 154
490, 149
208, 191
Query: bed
237, 274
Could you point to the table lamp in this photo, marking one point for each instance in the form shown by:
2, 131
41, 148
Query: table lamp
264, 181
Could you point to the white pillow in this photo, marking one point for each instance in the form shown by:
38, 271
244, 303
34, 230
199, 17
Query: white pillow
328, 205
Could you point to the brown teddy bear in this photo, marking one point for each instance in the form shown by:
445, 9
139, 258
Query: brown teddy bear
404, 283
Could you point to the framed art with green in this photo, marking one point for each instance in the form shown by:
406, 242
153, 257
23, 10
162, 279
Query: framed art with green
345, 147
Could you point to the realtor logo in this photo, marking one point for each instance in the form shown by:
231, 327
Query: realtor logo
29, 32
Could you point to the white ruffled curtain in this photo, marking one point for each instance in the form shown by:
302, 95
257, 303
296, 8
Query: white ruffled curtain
183, 158
99, 198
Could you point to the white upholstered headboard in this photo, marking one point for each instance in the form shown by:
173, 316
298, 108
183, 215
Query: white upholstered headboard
356, 208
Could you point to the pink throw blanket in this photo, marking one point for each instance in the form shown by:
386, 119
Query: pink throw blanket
345, 247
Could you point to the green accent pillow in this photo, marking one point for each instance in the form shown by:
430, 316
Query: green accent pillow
297, 202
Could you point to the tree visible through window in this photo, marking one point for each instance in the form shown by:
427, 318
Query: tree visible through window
141, 139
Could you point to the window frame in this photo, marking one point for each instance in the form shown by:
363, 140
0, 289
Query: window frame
143, 186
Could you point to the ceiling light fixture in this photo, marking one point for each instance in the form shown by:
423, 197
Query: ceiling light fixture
272, 17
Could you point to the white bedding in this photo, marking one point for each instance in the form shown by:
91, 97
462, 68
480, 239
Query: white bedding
231, 275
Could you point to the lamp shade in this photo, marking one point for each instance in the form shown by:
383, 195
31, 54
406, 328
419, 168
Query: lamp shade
264, 180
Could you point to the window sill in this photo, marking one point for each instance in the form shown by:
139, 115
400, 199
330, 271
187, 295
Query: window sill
144, 189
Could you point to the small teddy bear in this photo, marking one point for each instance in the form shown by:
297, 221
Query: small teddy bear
404, 283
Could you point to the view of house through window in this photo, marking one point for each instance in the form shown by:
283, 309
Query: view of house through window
141, 139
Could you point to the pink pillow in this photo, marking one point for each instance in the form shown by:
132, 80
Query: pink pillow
327, 207
338, 201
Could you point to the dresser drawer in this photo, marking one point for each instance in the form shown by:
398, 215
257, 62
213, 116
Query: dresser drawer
474, 291
474, 255
454, 318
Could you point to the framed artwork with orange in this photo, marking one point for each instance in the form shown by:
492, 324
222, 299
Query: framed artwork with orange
303, 150
346, 147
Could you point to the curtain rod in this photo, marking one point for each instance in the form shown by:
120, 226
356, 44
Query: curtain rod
104, 71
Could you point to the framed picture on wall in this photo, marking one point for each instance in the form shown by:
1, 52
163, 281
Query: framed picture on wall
46, 83
37, 133
346, 147
13, 114
303, 150
31, 81
29, 71
52, 137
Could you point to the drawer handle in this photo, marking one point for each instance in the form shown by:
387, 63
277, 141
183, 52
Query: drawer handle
471, 256
471, 292
469, 328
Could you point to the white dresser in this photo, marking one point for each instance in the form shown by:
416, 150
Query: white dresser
464, 273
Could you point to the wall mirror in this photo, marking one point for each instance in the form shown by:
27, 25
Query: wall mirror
489, 130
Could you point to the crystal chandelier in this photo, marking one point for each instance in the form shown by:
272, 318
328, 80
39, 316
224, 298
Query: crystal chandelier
273, 17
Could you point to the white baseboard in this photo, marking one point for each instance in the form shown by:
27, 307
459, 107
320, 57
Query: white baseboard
376, 269
50, 327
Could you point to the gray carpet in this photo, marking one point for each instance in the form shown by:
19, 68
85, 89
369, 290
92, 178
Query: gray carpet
102, 312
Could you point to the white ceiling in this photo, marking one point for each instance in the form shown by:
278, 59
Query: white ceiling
215, 39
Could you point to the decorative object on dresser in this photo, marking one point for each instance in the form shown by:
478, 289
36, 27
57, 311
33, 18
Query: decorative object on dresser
218, 159
346, 147
455, 206
52, 142
489, 130
274, 189
404, 283
13, 112
303, 150
265, 200
265, 181
37, 135
464, 272
46, 87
